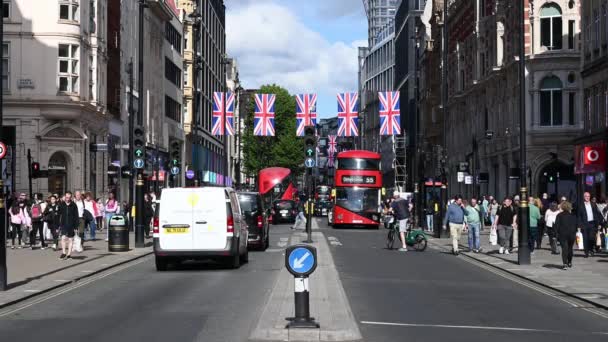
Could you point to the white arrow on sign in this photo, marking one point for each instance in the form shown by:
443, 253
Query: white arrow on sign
299, 263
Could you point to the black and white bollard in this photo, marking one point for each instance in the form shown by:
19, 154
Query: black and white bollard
301, 261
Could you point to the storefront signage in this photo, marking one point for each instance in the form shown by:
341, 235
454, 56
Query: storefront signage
590, 158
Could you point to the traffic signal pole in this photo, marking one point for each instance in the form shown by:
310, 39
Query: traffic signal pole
139, 186
29, 172
310, 140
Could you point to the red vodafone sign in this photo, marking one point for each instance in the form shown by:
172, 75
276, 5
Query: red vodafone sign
590, 158
593, 156
2, 150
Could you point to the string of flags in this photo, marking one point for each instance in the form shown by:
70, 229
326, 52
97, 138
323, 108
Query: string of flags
306, 113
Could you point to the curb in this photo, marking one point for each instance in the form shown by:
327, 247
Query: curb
70, 282
536, 282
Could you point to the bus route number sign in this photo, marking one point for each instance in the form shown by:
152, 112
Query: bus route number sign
359, 179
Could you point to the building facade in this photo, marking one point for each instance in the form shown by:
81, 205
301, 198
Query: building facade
483, 92
55, 101
380, 13
594, 72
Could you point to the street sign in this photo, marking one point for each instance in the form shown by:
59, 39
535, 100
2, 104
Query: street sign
175, 170
301, 260
468, 180
310, 163
3, 150
138, 163
190, 174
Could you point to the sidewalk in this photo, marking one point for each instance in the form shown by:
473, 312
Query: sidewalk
586, 280
32, 272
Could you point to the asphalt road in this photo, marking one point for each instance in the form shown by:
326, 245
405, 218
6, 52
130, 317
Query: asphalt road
434, 296
195, 302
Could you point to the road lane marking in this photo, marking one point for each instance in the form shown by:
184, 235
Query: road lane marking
31, 291
472, 327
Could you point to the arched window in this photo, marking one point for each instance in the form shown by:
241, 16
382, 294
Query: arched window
551, 102
551, 27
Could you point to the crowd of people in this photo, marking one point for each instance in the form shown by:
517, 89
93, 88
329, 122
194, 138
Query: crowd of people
565, 224
68, 220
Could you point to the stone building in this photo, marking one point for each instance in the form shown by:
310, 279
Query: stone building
483, 93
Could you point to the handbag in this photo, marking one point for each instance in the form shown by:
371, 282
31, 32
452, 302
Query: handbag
579, 240
77, 244
493, 236
598, 239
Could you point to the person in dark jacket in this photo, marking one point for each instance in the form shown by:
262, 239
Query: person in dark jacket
565, 228
148, 214
69, 221
51, 217
590, 219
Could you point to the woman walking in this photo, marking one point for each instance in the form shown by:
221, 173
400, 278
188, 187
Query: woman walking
550, 216
111, 209
69, 223
100, 214
565, 227
51, 217
18, 220
493, 210
90, 213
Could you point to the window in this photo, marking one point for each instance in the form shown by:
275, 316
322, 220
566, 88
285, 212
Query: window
6, 66
596, 29
173, 37
68, 10
68, 68
173, 109
571, 34
551, 102
571, 107
6, 10
551, 27
173, 73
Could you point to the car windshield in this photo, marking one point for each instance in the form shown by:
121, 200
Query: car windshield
284, 205
248, 202
358, 200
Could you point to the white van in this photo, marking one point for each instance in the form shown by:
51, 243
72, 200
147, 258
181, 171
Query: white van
199, 223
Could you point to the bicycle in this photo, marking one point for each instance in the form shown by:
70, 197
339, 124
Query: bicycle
413, 237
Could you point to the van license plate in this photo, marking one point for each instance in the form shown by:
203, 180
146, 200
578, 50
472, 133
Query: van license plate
176, 230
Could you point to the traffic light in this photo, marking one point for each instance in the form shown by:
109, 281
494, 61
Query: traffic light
175, 154
139, 147
35, 169
310, 140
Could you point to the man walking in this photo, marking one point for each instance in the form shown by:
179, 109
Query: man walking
401, 209
455, 219
506, 220
589, 220
301, 218
68, 223
473, 220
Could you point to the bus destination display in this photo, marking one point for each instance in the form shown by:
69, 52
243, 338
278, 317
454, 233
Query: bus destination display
352, 179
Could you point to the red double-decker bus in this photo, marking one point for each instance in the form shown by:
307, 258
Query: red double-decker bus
276, 183
358, 188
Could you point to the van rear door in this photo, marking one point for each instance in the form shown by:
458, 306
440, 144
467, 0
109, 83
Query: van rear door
209, 220
175, 219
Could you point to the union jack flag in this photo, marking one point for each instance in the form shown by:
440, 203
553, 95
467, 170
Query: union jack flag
218, 127
332, 144
263, 121
348, 114
390, 115
306, 112
330, 160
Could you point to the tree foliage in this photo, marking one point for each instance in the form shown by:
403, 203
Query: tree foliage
284, 149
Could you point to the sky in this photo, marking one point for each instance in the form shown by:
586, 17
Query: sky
306, 46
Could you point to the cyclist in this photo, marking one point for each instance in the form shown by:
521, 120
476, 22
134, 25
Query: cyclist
401, 209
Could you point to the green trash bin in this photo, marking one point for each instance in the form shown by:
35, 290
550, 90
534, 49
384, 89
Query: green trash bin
118, 234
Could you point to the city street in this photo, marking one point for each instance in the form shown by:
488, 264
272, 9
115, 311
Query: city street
429, 296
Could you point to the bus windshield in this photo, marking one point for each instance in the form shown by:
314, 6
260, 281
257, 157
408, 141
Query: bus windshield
358, 200
358, 164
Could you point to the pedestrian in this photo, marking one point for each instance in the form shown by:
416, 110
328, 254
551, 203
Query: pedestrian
148, 214
541, 222
18, 213
493, 210
401, 209
69, 222
565, 227
79, 201
111, 209
534, 218
589, 220
300, 217
90, 215
485, 206
51, 217
454, 218
545, 201
37, 215
473, 221
429, 213
550, 216
101, 209
505, 222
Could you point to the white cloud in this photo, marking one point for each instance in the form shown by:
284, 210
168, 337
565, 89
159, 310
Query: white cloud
272, 45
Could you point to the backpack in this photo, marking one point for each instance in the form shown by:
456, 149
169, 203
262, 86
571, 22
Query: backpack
36, 213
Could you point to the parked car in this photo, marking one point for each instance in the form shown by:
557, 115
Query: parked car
284, 211
256, 218
199, 223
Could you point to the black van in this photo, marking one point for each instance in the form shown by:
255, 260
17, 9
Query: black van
252, 208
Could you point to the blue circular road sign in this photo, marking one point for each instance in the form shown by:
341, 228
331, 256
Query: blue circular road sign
174, 170
190, 174
301, 260
139, 163
310, 163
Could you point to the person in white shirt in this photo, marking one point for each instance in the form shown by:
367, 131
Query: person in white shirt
550, 216
589, 221
79, 200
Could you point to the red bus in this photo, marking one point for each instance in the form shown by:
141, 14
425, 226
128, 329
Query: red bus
276, 183
358, 188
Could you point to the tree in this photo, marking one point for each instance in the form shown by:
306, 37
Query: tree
284, 149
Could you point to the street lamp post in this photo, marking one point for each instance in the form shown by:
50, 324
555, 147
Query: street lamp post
197, 22
3, 221
444, 104
523, 252
225, 62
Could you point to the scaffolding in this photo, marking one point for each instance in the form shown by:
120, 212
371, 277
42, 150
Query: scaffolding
400, 164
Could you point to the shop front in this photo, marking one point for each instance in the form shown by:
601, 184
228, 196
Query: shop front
590, 168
